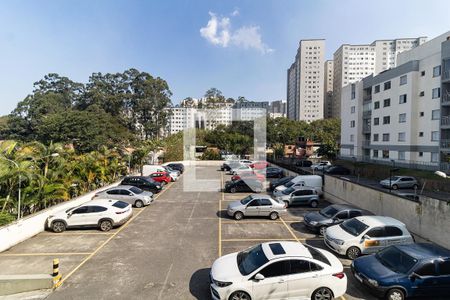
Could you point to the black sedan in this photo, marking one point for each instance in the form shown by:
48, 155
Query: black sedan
279, 182
144, 183
177, 166
272, 172
337, 170
243, 185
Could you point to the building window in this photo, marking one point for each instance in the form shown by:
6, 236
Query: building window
435, 114
353, 91
402, 118
422, 73
434, 157
375, 137
377, 89
437, 71
385, 153
352, 123
376, 105
385, 137
375, 153
421, 154
422, 93
403, 79
436, 93
387, 85
352, 109
401, 136
386, 102
435, 136
401, 155
352, 137
376, 121
402, 99
421, 134
386, 120
421, 114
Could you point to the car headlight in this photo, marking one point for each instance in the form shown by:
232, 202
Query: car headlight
222, 283
339, 242
158, 186
313, 223
373, 282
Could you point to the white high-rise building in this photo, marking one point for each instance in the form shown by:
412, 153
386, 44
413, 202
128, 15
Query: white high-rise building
328, 89
305, 82
402, 115
191, 117
354, 62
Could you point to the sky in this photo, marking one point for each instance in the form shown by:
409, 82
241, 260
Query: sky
243, 48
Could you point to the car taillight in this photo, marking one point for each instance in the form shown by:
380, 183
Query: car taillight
121, 212
339, 275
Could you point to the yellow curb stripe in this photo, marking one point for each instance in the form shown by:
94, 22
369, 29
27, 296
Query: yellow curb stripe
290, 230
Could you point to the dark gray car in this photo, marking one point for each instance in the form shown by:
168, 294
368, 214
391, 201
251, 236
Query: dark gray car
318, 221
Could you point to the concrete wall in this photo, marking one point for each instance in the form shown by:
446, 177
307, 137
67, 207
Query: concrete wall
429, 219
31, 225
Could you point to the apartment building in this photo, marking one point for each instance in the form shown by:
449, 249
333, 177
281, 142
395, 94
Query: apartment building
248, 111
277, 109
402, 115
354, 62
328, 89
305, 81
190, 117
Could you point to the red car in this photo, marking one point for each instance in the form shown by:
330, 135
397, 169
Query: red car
259, 165
248, 174
162, 177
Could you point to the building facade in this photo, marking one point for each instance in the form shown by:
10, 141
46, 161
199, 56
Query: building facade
354, 62
305, 82
248, 111
328, 89
401, 116
277, 109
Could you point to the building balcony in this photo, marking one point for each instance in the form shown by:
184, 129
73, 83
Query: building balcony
445, 121
367, 114
446, 76
366, 144
445, 99
445, 144
366, 129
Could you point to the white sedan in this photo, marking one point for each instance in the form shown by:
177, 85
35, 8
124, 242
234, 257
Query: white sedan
240, 168
321, 166
278, 270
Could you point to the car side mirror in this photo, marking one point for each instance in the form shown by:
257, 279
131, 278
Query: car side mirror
259, 277
414, 276
366, 237
130, 194
69, 215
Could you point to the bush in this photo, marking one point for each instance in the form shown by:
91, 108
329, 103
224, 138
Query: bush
6, 218
211, 155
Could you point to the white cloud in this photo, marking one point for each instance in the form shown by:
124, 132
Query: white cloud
235, 12
218, 32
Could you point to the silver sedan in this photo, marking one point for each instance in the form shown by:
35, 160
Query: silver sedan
127, 193
255, 206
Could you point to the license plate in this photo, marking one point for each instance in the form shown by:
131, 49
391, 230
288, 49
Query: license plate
358, 277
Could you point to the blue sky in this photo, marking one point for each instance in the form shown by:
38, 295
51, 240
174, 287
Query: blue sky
247, 56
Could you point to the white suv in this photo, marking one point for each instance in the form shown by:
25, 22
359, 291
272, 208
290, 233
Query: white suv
104, 214
365, 235
278, 270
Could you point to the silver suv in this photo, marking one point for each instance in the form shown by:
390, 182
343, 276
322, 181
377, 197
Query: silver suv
300, 195
400, 182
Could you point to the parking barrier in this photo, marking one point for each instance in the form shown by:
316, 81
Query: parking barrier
56, 275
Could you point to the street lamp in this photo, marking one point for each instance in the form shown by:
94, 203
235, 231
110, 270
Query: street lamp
391, 170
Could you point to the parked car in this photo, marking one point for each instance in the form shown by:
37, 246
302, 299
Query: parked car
103, 214
300, 195
314, 181
303, 163
240, 168
256, 206
321, 166
176, 166
318, 221
127, 193
161, 177
283, 270
246, 162
251, 175
278, 182
259, 165
273, 172
247, 185
144, 183
410, 196
226, 166
366, 235
337, 170
403, 271
174, 174
149, 169
400, 182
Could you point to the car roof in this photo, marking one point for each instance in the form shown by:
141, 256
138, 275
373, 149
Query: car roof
104, 202
344, 206
374, 221
124, 186
260, 196
424, 250
288, 249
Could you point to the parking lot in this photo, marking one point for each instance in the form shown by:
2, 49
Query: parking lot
166, 249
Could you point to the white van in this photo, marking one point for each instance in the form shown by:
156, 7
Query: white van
150, 169
314, 181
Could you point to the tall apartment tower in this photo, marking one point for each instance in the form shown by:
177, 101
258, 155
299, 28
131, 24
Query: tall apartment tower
354, 62
305, 82
328, 89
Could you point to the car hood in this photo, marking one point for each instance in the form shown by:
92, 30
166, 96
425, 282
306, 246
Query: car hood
315, 216
235, 205
149, 194
370, 267
280, 188
225, 268
336, 232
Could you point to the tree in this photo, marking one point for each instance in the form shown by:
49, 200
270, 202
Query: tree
327, 132
241, 99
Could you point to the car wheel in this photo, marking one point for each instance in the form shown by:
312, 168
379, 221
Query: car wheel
58, 226
238, 215
139, 203
233, 190
240, 295
286, 204
314, 204
353, 252
415, 186
395, 187
395, 294
106, 225
322, 293
273, 215
322, 230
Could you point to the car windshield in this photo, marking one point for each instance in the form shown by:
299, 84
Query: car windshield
288, 191
251, 259
393, 178
120, 204
328, 212
354, 227
136, 190
396, 260
246, 200
289, 184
